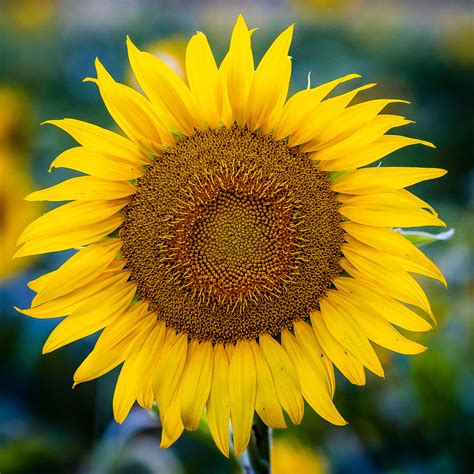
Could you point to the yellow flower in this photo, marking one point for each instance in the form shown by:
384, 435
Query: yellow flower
29, 15
15, 213
290, 457
226, 265
15, 117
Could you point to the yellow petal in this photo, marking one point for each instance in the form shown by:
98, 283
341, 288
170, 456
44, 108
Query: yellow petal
378, 329
102, 140
55, 309
313, 386
67, 304
165, 89
359, 140
268, 125
85, 265
84, 188
116, 264
377, 150
350, 367
382, 179
92, 316
414, 267
388, 209
392, 310
68, 238
237, 71
270, 82
97, 164
135, 372
307, 342
39, 283
169, 368
117, 341
413, 262
204, 79
146, 398
322, 117
218, 404
352, 119
409, 198
343, 328
377, 266
242, 393
302, 105
285, 377
70, 216
266, 405
395, 244
229, 350
399, 285
132, 113
196, 384
171, 420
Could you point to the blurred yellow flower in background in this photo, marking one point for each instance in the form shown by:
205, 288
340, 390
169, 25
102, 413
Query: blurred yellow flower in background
29, 15
457, 42
15, 212
15, 117
291, 457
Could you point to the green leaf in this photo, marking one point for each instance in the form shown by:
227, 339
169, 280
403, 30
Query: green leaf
419, 237
335, 175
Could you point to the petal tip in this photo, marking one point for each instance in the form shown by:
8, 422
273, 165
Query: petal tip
19, 253
239, 451
131, 46
30, 197
47, 348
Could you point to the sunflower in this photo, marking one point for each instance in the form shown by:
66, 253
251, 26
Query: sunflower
232, 244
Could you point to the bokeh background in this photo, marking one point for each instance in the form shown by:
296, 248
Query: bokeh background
420, 418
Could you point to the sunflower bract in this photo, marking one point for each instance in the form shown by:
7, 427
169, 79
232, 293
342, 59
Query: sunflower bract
227, 260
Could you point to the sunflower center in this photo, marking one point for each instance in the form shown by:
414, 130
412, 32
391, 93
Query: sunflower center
232, 234
235, 239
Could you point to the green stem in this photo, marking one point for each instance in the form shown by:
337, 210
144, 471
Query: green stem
259, 447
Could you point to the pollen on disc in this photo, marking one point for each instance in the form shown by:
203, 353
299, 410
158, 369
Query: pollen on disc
232, 234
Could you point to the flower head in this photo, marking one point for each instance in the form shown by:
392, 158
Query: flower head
233, 245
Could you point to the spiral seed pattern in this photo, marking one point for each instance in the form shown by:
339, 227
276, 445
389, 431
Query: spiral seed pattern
232, 234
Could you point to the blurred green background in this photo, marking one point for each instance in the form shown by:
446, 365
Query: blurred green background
420, 418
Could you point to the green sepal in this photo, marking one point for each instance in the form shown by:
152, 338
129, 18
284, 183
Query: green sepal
420, 238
